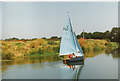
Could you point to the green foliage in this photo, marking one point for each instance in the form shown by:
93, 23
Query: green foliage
108, 40
106, 34
113, 35
83, 48
54, 37
106, 44
50, 42
39, 51
79, 36
17, 43
56, 49
97, 48
97, 35
88, 49
44, 38
112, 45
7, 56
34, 39
36, 52
10, 39
107, 51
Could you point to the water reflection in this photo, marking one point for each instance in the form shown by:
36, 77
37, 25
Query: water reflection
79, 70
101, 66
115, 53
78, 66
54, 58
31, 60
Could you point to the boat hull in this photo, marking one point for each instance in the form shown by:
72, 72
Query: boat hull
75, 59
75, 62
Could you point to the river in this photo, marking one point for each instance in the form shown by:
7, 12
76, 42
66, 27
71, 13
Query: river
102, 65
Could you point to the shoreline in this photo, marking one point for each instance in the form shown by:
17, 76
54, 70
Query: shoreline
46, 47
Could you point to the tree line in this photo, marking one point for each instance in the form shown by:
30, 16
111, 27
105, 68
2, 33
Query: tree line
113, 35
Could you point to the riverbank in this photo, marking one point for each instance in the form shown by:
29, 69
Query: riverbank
46, 47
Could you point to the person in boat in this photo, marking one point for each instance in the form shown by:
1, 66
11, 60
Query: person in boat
70, 56
73, 55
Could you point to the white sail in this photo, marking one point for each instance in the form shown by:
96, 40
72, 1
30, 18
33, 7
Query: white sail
79, 50
67, 45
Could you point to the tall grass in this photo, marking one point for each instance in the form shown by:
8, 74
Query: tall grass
46, 47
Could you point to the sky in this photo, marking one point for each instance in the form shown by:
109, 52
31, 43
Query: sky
45, 19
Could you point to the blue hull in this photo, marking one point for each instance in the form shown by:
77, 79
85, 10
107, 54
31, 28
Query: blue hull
75, 59
81, 62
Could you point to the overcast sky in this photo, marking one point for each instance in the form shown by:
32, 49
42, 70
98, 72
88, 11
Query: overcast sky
46, 19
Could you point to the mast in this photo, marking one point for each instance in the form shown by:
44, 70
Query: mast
83, 33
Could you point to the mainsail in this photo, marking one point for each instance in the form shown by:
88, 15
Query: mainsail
69, 43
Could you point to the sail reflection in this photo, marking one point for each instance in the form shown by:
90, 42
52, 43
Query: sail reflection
78, 66
78, 72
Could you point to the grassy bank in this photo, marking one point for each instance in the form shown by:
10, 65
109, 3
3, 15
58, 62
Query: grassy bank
92, 45
46, 47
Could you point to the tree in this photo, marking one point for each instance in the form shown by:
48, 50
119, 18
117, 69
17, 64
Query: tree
106, 34
54, 38
119, 34
97, 35
114, 34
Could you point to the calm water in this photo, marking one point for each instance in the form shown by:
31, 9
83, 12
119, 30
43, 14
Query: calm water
100, 66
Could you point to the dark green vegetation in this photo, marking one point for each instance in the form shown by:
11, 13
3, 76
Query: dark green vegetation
113, 35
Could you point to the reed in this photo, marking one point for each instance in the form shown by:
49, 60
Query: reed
46, 47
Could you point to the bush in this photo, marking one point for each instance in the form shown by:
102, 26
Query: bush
88, 49
7, 56
56, 49
39, 51
35, 52
107, 40
106, 44
97, 48
32, 45
17, 43
52, 42
83, 48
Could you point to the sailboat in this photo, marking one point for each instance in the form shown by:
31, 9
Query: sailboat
69, 44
